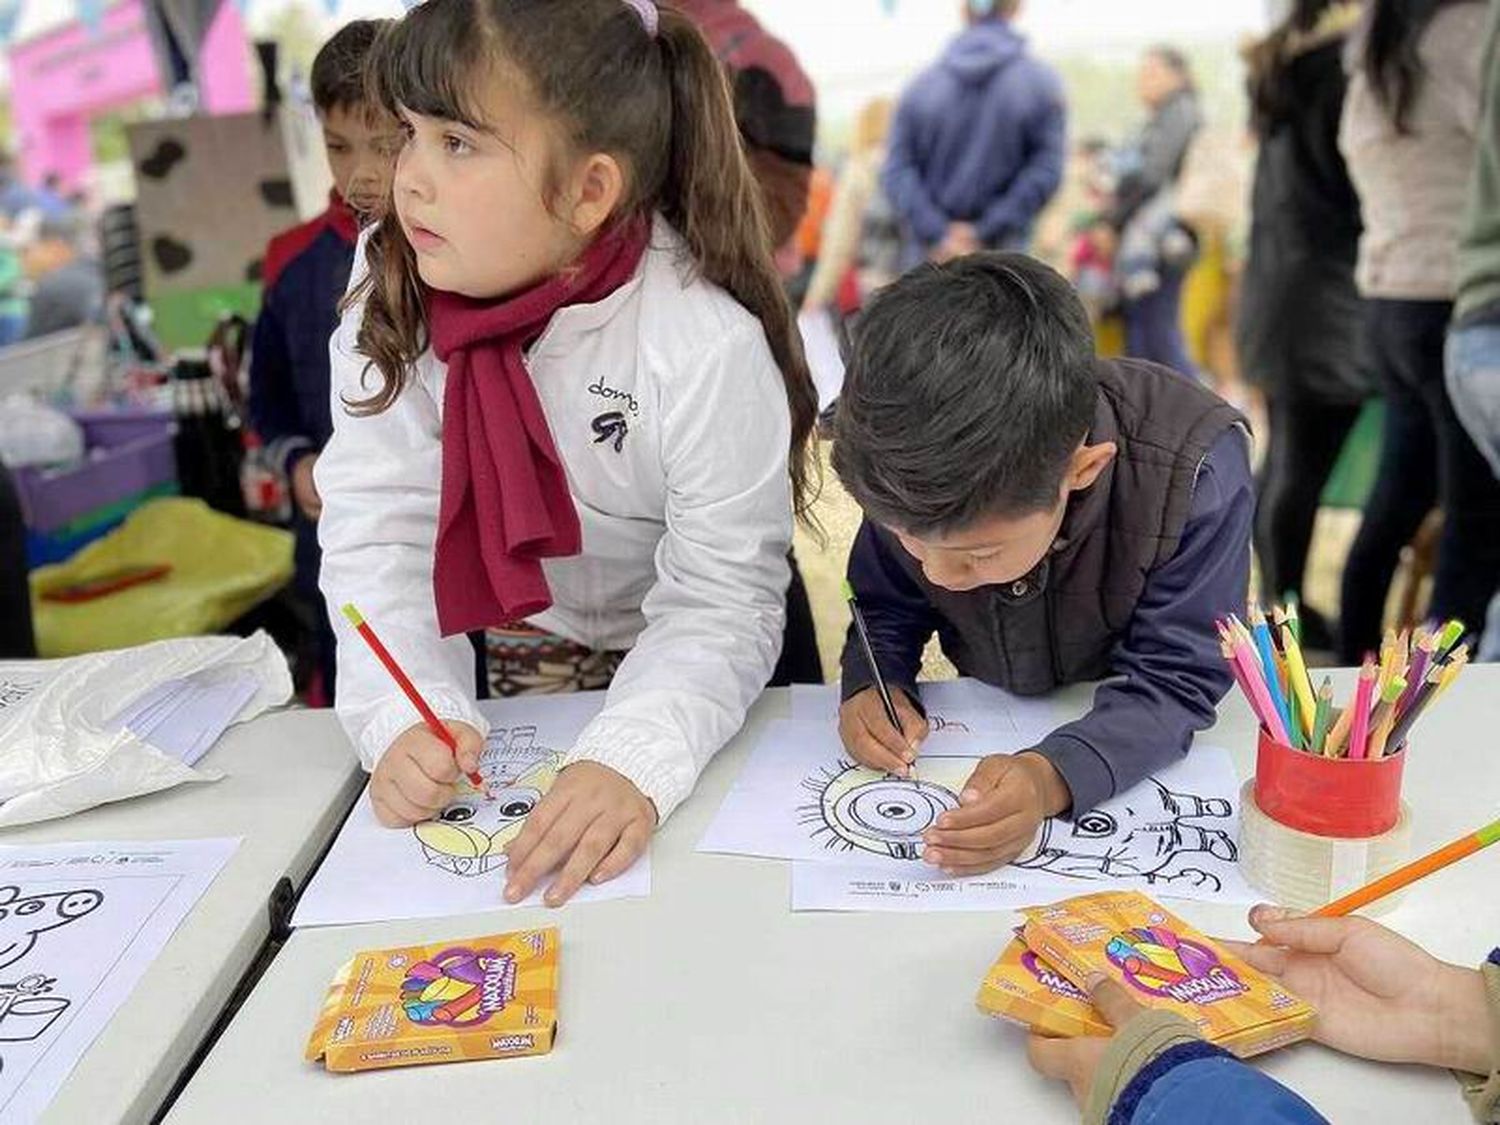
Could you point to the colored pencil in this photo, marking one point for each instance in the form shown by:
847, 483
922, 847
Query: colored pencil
1262, 635
1359, 734
1260, 692
1333, 747
1293, 615
1322, 717
1296, 670
1226, 647
1421, 659
1420, 702
864, 643
1385, 717
1456, 664
434, 724
1417, 869
1450, 636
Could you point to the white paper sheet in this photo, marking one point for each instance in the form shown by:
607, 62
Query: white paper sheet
185, 717
774, 809
827, 886
79, 925
820, 342
962, 705
799, 798
454, 865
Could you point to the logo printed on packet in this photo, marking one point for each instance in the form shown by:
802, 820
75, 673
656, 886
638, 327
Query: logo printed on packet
1052, 981
459, 987
1158, 962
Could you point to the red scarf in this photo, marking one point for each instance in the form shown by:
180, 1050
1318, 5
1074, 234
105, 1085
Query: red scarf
505, 503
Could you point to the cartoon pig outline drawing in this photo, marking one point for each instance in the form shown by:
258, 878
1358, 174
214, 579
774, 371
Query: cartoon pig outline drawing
23, 917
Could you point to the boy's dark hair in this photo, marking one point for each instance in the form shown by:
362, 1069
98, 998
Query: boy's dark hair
969, 388
338, 71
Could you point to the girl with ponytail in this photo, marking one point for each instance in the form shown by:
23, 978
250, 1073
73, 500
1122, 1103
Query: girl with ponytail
573, 406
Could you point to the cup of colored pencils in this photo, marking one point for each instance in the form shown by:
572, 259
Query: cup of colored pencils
1323, 768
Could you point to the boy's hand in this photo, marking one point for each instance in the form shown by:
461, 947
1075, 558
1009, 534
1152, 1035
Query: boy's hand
870, 739
1000, 809
1075, 1060
414, 779
593, 822
304, 489
1378, 995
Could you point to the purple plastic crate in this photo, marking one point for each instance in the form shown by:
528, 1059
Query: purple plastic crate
129, 452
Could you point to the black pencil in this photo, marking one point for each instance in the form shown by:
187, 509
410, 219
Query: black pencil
864, 643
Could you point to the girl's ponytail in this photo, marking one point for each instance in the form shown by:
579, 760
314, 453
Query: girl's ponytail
711, 197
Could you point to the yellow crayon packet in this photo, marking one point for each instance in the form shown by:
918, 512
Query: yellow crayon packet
1023, 988
479, 998
1165, 963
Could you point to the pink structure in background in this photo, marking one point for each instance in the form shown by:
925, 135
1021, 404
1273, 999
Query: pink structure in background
63, 78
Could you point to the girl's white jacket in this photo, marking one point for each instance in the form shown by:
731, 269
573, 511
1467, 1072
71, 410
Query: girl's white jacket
671, 420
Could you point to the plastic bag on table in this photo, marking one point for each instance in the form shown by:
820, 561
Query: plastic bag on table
222, 568
62, 747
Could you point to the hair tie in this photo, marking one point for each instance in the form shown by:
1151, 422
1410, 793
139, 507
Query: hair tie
650, 16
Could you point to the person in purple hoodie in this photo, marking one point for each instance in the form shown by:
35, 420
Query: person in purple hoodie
979, 141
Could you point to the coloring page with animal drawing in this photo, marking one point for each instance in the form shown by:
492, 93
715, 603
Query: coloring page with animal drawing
454, 863
79, 925
857, 833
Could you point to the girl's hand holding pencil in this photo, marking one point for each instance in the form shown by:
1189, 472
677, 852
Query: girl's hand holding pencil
414, 778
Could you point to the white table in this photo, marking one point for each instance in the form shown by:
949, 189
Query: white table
712, 1002
291, 779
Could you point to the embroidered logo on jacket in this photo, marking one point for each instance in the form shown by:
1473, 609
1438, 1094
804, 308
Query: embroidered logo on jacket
600, 389
611, 426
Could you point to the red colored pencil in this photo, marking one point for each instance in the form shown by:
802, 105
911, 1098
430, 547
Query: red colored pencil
434, 724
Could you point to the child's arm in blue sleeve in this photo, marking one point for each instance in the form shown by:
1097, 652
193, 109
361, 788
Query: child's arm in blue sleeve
1171, 674
896, 611
275, 411
1197, 1084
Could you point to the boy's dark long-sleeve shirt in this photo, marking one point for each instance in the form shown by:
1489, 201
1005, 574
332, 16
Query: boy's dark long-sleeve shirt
306, 271
1168, 673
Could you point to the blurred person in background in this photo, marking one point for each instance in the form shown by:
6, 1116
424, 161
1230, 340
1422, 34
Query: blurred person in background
67, 285
978, 143
1151, 247
1473, 359
1299, 330
1408, 133
775, 107
861, 247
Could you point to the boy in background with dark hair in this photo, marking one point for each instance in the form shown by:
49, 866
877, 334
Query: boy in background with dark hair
306, 271
1055, 518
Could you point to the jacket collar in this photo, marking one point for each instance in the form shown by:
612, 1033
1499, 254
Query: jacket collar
579, 320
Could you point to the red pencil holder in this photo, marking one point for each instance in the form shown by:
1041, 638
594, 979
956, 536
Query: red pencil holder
1339, 797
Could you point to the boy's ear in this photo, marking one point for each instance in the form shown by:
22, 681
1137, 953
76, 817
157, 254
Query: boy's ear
599, 185
1088, 462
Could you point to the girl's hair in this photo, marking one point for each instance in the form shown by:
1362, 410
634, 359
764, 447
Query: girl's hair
660, 105
1270, 100
1392, 59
